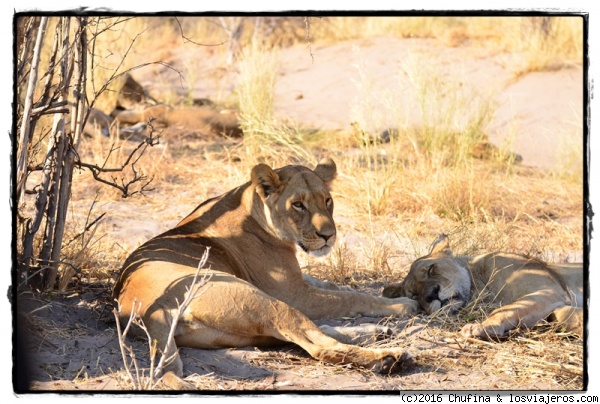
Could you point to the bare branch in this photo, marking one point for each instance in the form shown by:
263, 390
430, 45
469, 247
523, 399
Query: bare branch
45, 98
25, 49
66, 76
115, 76
108, 27
192, 293
44, 267
186, 39
122, 334
308, 37
138, 176
87, 228
124, 72
51, 108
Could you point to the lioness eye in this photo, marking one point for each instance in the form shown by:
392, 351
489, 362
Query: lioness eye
298, 205
328, 202
430, 270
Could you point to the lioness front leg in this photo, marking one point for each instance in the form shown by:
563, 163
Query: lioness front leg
317, 303
317, 283
358, 335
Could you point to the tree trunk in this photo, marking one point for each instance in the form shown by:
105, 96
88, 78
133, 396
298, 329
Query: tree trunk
25, 134
42, 232
70, 146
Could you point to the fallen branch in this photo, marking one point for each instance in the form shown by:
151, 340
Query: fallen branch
575, 370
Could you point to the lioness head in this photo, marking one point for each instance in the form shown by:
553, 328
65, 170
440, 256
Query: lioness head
297, 204
436, 280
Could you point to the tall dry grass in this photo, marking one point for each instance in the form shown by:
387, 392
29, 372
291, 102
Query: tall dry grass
543, 43
372, 166
571, 153
432, 161
453, 113
266, 138
334, 29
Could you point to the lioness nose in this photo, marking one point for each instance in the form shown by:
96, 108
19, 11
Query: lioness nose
432, 293
323, 226
326, 236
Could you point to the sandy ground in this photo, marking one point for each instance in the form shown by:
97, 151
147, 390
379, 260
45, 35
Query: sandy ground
81, 352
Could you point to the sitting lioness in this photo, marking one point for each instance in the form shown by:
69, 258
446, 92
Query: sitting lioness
528, 290
256, 294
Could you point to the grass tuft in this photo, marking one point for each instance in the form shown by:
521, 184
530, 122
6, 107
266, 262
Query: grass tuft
266, 138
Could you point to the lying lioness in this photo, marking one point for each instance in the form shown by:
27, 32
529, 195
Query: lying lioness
527, 289
257, 294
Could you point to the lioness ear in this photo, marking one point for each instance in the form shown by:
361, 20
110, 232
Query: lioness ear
441, 245
265, 180
394, 291
326, 170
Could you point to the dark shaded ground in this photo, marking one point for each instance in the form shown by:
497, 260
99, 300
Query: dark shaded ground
72, 345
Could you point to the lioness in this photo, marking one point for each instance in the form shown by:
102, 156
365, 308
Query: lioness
203, 119
528, 290
256, 294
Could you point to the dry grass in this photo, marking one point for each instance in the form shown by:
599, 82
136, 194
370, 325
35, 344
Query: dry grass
570, 159
544, 43
532, 43
266, 138
432, 162
454, 114
528, 37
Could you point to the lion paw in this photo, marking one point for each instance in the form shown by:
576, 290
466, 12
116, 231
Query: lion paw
384, 333
173, 382
478, 330
472, 331
407, 307
391, 364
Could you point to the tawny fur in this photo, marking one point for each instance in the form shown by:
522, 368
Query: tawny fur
528, 290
